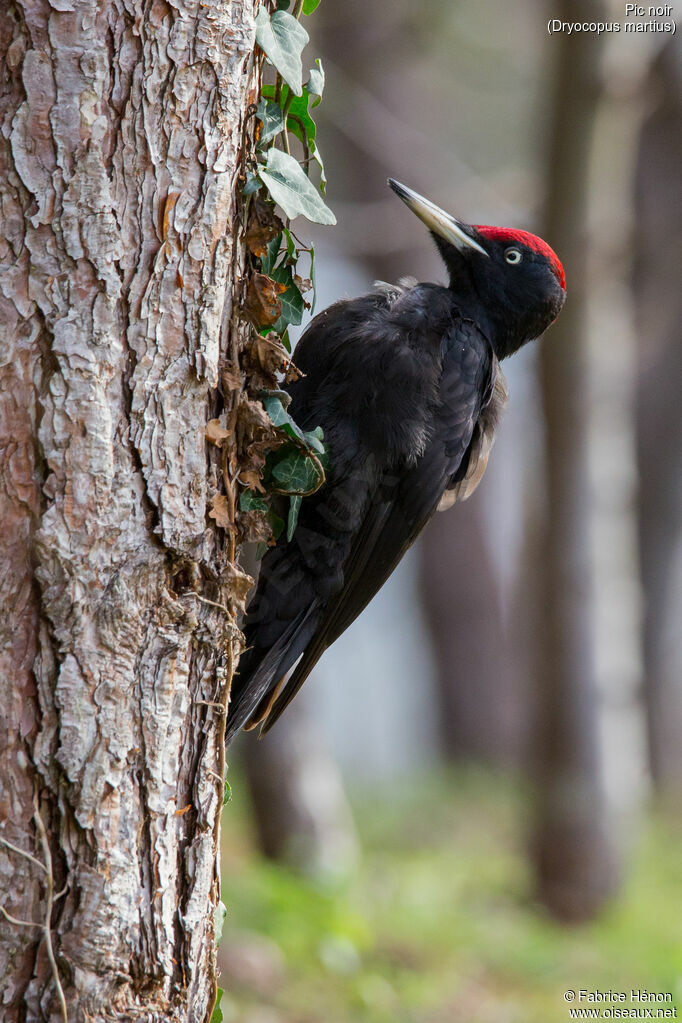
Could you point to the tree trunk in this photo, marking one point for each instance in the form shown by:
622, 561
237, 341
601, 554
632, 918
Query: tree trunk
121, 143
301, 814
462, 603
572, 852
659, 312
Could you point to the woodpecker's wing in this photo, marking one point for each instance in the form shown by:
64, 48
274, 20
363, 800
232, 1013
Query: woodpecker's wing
481, 444
404, 500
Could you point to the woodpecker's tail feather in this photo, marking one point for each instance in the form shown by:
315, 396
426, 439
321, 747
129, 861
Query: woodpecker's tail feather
260, 671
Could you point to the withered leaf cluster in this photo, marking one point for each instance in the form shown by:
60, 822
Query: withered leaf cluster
263, 226
262, 304
243, 509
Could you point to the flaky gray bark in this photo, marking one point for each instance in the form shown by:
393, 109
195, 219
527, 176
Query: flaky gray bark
120, 146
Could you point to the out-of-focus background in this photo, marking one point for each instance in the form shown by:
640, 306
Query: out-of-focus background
473, 805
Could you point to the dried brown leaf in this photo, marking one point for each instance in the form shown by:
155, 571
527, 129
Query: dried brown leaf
269, 354
231, 377
216, 433
258, 380
257, 238
263, 226
252, 418
256, 436
238, 585
303, 284
263, 212
255, 527
292, 373
262, 305
259, 235
251, 477
219, 511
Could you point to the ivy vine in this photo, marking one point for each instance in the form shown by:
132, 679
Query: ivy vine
278, 464
286, 153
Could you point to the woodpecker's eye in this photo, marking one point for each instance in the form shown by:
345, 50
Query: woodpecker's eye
513, 256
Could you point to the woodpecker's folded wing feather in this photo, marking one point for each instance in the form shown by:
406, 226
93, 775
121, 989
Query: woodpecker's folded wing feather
404, 501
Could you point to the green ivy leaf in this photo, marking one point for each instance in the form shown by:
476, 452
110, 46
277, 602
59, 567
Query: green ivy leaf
315, 84
249, 500
296, 473
291, 300
312, 278
310, 5
219, 914
299, 122
315, 440
272, 118
274, 405
285, 341
291, 189
253, 183
217, 1014
282, 39
276, 524
269, 260
323, 177
290, 469
275, 408
292, 519
291, 246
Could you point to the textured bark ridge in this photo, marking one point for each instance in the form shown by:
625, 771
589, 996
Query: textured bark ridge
121, 136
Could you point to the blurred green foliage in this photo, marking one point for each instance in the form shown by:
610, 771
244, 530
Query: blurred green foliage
438, 923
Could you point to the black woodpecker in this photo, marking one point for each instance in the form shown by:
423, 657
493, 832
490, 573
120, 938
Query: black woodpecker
407, 386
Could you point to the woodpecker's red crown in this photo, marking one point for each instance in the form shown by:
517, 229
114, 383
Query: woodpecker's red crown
507, 235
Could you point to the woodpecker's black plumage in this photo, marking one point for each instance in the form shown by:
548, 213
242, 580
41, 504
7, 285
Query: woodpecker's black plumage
405, 383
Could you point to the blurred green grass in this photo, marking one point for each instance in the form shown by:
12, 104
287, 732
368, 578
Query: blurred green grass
438, 923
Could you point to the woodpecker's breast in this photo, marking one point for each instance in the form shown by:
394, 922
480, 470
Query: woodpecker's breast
481, 441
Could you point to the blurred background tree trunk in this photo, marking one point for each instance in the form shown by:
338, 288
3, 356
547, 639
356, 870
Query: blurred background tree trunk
301, 814
120, 152
477, 714
573, 859
658, 297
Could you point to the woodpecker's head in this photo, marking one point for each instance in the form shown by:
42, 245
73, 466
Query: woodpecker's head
511, 279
